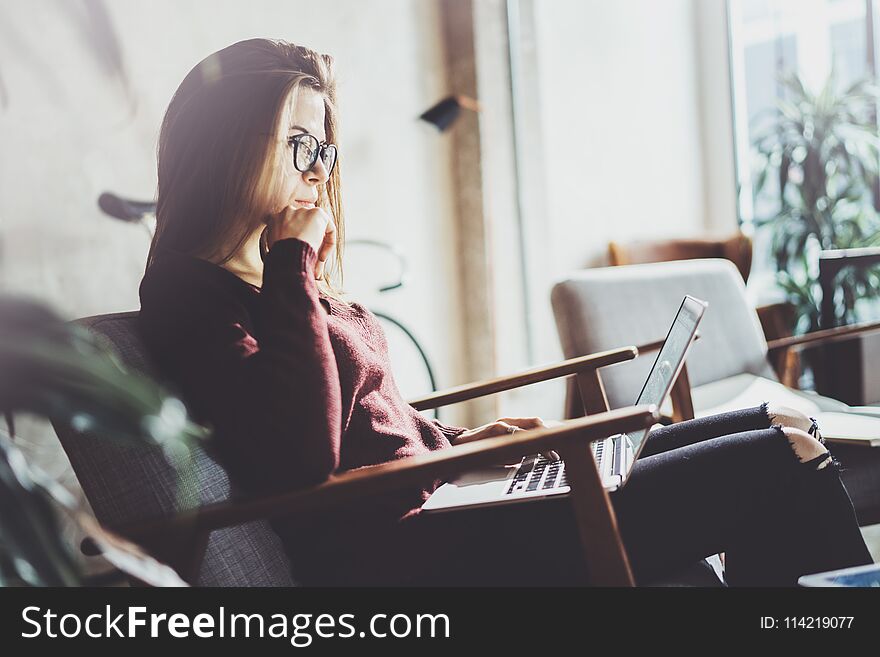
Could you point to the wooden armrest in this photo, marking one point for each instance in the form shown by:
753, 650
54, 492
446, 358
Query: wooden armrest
355, 484
825, 336
568, 367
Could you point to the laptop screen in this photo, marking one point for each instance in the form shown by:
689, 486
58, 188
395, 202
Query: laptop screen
669, 361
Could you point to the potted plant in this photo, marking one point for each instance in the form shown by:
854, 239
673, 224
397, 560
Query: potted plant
816, 168
59, 371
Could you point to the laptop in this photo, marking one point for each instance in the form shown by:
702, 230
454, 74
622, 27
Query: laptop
858, 576
536, 477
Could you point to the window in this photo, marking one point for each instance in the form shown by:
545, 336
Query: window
769, 39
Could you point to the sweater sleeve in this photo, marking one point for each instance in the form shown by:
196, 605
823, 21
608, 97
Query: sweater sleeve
274, 405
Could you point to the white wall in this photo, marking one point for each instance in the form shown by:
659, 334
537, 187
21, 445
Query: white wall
621, 107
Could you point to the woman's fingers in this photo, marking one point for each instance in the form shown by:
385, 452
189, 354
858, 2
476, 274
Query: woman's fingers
312, 225
329, 241
499, 428
514, 424
486, 431
327, 246
507, 426
524, 422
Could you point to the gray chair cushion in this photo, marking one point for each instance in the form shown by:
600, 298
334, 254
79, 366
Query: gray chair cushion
605, 308
125, 484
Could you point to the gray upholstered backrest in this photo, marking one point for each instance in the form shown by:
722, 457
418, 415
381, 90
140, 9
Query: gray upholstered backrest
598, 309
124, 484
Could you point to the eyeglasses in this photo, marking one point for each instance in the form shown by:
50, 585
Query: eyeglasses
307, 149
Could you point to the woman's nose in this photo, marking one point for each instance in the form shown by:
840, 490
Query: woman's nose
317, 175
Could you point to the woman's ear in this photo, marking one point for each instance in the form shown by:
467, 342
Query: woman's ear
264, 243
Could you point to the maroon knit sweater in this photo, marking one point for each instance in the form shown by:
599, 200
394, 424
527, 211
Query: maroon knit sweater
296, 385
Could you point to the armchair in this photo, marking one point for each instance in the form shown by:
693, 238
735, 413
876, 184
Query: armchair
213, 536
776, 318
737, 249
731, 365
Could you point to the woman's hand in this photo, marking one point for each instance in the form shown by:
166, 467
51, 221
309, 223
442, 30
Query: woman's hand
506, 426
312, 225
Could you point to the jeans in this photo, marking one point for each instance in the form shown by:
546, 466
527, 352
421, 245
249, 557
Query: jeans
728, 483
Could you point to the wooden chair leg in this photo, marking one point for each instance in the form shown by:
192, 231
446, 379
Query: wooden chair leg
592, 392
682, 402
574, 404
791, 369
604, 553
597, 523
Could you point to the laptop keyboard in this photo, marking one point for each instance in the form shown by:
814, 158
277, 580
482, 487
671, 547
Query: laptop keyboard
537, 472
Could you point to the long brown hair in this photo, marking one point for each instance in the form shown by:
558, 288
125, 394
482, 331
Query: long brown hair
221, 143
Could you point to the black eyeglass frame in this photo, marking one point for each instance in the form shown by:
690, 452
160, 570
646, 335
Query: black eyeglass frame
295, 141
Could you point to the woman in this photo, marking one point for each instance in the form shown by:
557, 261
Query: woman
238, 310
